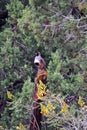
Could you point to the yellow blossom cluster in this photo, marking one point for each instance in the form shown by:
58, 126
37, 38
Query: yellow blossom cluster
45, 110
9, 95
81, 102
20, 127
81, 6
41, 90
64, 107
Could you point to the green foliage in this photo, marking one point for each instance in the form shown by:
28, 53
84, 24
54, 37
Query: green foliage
37, 2
3, 3
18, 108
54, 77
15, 8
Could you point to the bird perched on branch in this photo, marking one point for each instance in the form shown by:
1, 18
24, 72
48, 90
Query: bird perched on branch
41, 77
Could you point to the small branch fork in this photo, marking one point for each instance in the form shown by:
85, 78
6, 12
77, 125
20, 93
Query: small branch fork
80, 23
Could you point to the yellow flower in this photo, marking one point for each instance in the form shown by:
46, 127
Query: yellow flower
20, 127
81, 102
50, 107
41, 85
44, 110
41, 90
9, 95
81, 6
40, 94
64, 108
